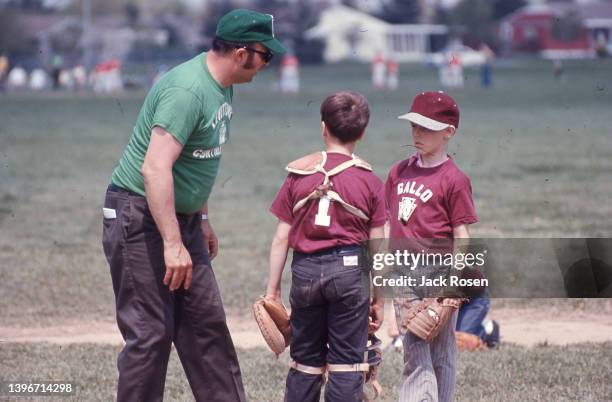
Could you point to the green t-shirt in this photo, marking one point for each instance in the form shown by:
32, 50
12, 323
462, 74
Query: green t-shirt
189, 104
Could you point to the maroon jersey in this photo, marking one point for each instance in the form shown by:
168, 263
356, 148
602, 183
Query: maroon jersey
428, 202
358, 187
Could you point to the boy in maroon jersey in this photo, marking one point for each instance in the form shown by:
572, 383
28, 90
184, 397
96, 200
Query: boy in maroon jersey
329, 205
429, 199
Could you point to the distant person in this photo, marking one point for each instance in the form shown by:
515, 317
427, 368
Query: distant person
486, 70
66, 79
113, 80
379, 71
38, 80
472, 320
80, 77
290, 74
450, 72
392, 74
17, 79
601, 46
56, 69
4, 69
157, 234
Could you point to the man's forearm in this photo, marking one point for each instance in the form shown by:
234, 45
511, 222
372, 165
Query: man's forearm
159, 188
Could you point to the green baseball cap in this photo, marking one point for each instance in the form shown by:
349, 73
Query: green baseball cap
246, 26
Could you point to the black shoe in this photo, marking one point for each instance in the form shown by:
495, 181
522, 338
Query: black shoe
492, 338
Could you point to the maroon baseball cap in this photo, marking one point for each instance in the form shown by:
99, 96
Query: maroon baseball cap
433, 110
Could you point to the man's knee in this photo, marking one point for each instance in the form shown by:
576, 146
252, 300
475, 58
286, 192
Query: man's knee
153, 340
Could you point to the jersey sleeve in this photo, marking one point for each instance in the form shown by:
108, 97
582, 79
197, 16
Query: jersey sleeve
461, 204
178, 112
378, 215
388, 190
282, 206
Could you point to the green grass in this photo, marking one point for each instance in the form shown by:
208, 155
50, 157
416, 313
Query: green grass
538, 152
512, 373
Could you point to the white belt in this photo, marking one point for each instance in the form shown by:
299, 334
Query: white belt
348, 367
330, 367
307, 369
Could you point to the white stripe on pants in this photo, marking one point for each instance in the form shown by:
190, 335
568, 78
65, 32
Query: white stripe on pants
429, 368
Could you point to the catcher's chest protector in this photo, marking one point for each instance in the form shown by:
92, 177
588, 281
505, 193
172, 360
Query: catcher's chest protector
314, 163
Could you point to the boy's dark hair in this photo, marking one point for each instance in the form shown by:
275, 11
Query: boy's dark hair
346, 115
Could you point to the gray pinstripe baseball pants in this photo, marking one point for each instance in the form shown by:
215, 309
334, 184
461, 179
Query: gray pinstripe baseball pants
429, 368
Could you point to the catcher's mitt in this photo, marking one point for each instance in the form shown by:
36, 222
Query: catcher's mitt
427, 318
273, 321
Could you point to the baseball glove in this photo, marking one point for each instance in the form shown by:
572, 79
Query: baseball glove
427, 318
273, 321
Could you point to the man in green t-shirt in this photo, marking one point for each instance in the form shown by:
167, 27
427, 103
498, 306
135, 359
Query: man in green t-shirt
157, 235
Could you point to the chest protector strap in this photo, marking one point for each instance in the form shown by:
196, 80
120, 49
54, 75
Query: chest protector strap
314, 163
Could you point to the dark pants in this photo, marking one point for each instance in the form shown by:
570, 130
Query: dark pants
486, 74
151, 318
329, 322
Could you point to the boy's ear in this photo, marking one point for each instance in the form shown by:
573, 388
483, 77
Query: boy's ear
450, 132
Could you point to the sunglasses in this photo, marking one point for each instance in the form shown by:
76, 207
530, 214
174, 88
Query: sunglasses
265, 56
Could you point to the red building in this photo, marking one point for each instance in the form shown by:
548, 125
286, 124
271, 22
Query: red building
559, 30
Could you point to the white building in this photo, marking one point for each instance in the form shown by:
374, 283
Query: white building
350, 34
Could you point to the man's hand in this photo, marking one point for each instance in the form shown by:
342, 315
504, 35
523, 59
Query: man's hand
377, 314
210, 239
178, 266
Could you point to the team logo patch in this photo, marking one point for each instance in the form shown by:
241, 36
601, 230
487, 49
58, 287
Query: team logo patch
406, 207
222, 133
207, 153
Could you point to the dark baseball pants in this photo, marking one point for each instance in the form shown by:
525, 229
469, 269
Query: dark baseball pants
329, 321
151, 318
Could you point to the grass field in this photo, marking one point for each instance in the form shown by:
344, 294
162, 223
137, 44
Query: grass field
513, 373
537, 150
